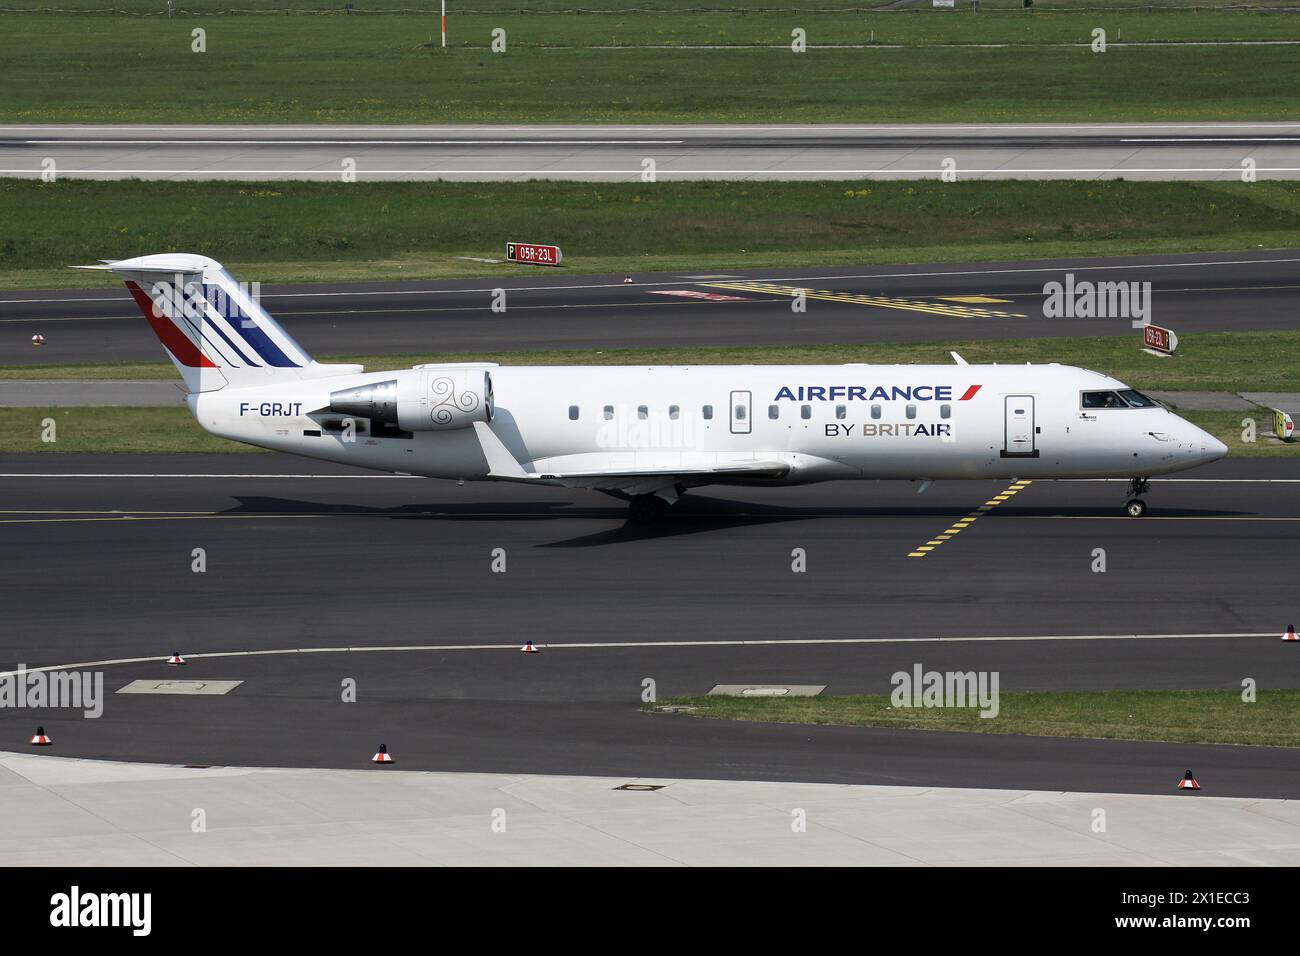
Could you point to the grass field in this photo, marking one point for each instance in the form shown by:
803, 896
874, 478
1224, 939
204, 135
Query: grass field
621, 8
260, 67
1181, 716
110, 431
296, 231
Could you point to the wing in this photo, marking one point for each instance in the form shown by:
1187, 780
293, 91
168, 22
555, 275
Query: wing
503, 465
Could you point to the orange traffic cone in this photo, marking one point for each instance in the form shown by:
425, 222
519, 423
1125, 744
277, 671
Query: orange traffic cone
39, 739
383, 756
528, 648
176, 659
1290, 634
1188, 782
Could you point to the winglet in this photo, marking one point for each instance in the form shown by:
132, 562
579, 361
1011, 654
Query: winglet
958, 359
501, 464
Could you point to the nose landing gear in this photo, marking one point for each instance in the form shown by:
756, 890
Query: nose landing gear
1135, 506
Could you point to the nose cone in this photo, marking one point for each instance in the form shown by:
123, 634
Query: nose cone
1207, 448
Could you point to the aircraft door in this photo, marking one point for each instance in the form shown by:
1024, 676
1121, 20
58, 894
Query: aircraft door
1019, 432
740, 409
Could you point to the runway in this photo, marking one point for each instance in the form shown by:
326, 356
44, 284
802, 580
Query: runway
1258, 290
97, 565
1152, 151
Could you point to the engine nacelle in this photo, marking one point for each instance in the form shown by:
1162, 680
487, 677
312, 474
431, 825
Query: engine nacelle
422, 399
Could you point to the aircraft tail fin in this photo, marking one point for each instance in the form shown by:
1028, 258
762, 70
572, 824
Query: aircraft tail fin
213, 328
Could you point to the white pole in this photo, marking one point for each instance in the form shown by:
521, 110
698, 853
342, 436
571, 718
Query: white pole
444, 23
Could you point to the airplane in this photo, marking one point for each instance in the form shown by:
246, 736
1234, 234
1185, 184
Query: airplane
647, 434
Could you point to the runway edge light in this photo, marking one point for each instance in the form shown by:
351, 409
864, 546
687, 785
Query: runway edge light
39, 739
530, 648
1188, 782
382, 756
176, 658
1290, 634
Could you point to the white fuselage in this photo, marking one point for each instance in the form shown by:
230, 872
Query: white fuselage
825, 422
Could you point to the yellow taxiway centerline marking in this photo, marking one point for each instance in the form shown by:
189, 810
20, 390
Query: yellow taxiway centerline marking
884, 302
966, 522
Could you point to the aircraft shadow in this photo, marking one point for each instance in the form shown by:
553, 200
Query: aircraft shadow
695, 514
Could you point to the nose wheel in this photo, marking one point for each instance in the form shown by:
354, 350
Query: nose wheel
1135, 507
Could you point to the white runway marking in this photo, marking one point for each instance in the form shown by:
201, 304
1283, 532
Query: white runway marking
616, 645
62, 474
1215, 139
355, 142
33, 474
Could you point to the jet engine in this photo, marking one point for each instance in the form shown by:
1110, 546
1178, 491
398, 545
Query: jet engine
421, 399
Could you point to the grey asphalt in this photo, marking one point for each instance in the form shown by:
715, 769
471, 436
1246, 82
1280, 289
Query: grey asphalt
1172, 151
1253, 290
1289, 402
20, 393
99, 568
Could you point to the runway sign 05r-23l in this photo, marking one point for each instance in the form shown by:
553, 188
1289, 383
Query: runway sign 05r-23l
530, 253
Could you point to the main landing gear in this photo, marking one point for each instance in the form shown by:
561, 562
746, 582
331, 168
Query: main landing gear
646, 509
1135, 506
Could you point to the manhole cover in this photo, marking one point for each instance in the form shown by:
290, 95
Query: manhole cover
191, 687
767, 690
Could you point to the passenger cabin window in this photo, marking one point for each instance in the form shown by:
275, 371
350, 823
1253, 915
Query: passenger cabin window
609, 412
642, 411
1103, 400
805, 411
875, 411
674, 412
841, 412
708, 413
945, 411
911, 411
573, 413
773, 411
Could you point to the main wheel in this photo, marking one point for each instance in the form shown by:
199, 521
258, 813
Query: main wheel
646, 508
1136, 507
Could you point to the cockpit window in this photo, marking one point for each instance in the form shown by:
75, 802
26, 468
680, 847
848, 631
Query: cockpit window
1137, 399
1103, 400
